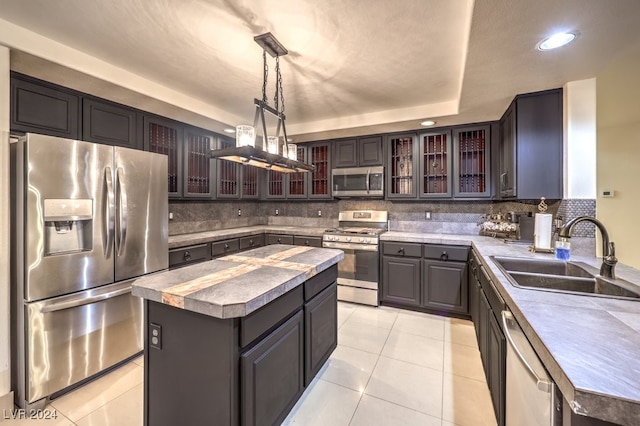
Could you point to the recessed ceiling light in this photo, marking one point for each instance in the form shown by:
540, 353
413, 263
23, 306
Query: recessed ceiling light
556, 40
229, 130
428, 123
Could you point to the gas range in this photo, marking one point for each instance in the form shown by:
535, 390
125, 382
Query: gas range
358, 236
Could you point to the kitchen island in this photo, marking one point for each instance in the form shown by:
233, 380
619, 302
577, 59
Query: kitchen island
237, 339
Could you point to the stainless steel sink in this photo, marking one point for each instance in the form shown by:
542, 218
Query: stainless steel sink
564, 277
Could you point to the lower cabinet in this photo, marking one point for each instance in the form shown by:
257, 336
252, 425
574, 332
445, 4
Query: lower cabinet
401, 281
429, 277
272, 374
321, 331
185, 256
445, 285
491, 339
496, 378
279, 239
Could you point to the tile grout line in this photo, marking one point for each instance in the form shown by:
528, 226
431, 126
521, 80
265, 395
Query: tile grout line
372, 370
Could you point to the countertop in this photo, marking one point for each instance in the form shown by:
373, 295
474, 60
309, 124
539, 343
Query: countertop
183, 240
589, 344
236, 285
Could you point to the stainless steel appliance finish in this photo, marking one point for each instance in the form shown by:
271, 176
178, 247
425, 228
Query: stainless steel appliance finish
531, 397
358, 237
88, 219
358, 182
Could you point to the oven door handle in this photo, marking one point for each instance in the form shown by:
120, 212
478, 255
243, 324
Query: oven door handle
348, 246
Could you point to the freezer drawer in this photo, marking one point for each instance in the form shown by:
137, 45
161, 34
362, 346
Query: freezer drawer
70, 338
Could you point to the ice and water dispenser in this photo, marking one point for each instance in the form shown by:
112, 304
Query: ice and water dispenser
68, 226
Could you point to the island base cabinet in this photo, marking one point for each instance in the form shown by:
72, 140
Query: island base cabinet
189, 376
321, 331
272, 374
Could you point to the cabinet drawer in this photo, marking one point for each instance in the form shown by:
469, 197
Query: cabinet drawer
439, 252
251, 242
316, 284
279, 239
307, 241
267, 317
186, 255
402, 249
224, 247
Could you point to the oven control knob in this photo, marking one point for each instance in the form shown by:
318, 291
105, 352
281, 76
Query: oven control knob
361, 239
348, 238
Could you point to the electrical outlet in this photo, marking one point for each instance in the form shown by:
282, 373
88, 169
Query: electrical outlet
427, 215
319, 213
170, 215
155, 336
239, 212
277, 212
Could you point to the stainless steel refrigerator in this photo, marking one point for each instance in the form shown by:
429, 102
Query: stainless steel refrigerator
87, 219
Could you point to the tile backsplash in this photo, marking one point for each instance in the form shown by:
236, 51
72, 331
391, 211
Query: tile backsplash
449, 217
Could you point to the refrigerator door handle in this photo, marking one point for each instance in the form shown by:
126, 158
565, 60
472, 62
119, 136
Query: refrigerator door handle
68, 304
109, 213
122, 211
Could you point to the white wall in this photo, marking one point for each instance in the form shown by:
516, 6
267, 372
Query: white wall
5, 370
618, 119
580, 139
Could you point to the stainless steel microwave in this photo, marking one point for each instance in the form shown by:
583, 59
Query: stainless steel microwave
358, 182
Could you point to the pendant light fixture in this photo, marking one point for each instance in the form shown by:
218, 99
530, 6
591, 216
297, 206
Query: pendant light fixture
269, 151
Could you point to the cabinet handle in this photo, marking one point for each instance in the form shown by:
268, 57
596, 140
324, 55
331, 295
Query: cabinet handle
251, 242
226, 246
279, 240
187, 256
503, 180
444, 256
401, 251
306, 242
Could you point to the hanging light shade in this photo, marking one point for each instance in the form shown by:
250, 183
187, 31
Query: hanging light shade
245, 136
266, 154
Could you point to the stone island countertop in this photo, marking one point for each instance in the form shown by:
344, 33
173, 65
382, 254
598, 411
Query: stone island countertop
236, 285
589, 344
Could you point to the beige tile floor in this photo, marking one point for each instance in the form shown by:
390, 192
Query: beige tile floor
391, 367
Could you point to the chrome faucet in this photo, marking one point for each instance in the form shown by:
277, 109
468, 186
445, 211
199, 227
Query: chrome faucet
607, 269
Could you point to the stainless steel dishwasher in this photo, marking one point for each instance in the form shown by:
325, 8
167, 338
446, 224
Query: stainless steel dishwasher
531, 398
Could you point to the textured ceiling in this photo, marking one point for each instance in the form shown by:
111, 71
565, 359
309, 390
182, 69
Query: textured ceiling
354, 67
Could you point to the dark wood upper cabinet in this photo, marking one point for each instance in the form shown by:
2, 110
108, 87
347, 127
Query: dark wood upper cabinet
435, 164
297, 182
319, 155
365, 151
402, 166
370, 151
164, 136
472, 161
228, 173
109, 123
531, 147
41, 107
198, 165
345, 153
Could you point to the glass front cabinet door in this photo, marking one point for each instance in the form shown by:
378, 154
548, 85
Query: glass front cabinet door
471, 161
401, 182
435, 164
